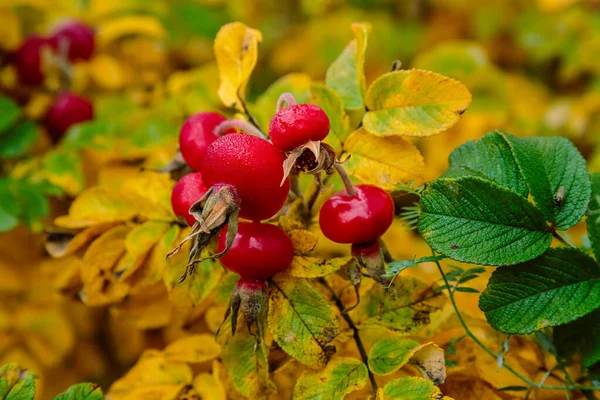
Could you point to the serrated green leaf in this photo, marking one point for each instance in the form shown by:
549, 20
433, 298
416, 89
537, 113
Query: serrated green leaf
313, 267
556, 175
248, 369
580, 337
347, 75
331, 103
490, 157
9, 113
474, 220
411, 388
82, 391
593, 216
342, 376
554, 289
404, 307
414, 103
16, 383
389, 355
301, 321
18, 140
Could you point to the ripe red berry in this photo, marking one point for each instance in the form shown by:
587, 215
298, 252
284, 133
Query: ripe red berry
295, 125
68, 109
28, 60
78, 37
197, 133
253, 167
259, 251
186, 192
357, 219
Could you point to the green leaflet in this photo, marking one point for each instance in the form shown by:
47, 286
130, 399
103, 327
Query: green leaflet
580, 337
82, 391
16, 383
342, 375
411, 388
490, 158
554, 289
389, 355
331, 103
301, 321
346, 75
556, 175
593, 216
18, 140
474, 220
9, 113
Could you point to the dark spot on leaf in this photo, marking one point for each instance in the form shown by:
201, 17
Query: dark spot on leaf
454, 246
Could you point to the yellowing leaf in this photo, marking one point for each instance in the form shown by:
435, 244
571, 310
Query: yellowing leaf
341, 376
139, 242
10, 30
313, 267
384, 162
304, 241
236, 51
16, 382
331, 103
193, 349
152, 193
130, 25
411, 388
301, 321
414, 103
346, 75
146, 307
209, 386
107, 72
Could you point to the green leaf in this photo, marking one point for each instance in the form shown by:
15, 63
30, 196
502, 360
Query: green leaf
16, 383
82, 391
490, 158
342, 376
247, 368
62, 167
301, 321
389, 355
414, 103
18, 140
554, 289
331, 103
557, 177
593, 216
477, 221
9, 113
580, 337
404, 307
347, 73
411, 388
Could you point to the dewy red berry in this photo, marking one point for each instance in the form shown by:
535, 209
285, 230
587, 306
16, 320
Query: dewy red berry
28, 60
358, 219
298, 124
186, 192
77, 38
197, 133
253, 167
258, 252
67, 110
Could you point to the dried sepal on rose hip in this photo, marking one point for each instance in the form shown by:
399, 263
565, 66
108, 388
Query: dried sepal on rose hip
243, 174
297, 130
258, 252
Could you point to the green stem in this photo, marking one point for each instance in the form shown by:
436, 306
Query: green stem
529, 382
345, 178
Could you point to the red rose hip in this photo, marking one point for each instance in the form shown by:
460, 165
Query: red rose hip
78, 39
253, 167
28, 60
186, 192
197, 133
258, 252
298, 124
358, 219
67, 110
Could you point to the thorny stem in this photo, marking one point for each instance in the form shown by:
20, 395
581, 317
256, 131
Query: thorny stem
532, 384
240, 124
562, 239
345, 178
285, 100
352, 325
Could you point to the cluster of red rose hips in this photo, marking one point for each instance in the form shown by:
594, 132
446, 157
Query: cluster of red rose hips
245, 176
70, 42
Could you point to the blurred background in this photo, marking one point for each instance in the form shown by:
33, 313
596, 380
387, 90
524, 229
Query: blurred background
533, 68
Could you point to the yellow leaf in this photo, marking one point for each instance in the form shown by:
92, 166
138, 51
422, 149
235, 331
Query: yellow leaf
10, 30
382, 161
65, 244
314, 267
154, 192
107, 72
341, 376
414, 103
193, 349
236, 51
303, 241
209, 386
139, 243
147, 307
130, 25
